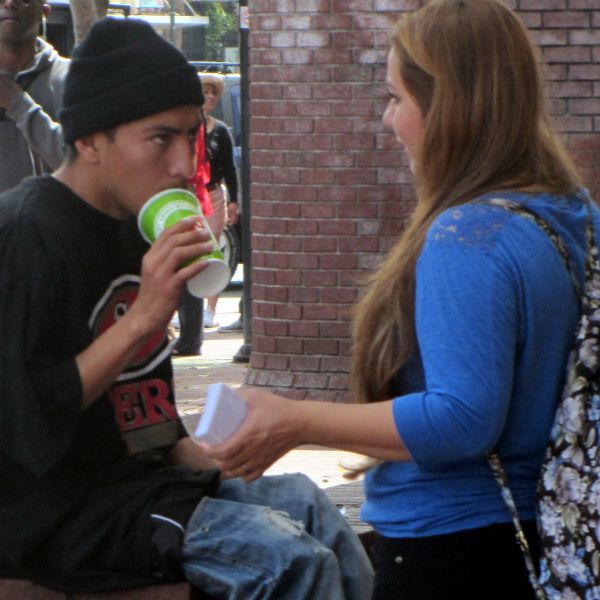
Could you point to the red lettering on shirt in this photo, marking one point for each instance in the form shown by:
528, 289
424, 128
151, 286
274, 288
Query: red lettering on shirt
142, 404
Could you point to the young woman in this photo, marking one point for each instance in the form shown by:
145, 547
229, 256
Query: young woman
222, 172
462, 337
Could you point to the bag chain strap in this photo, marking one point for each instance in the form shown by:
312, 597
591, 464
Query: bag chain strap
493, 457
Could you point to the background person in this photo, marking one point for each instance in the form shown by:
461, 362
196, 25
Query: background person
101, 486
190, 311
462, 337
31, 86
222, 172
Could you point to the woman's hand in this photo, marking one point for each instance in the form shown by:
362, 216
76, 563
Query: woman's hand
273, 426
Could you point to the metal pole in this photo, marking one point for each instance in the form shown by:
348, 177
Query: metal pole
243, 354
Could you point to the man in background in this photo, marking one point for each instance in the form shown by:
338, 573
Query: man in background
31, 85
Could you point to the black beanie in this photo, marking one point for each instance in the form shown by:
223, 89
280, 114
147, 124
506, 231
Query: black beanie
120, 72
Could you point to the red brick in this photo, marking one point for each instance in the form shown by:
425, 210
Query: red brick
313, 6
297, 92
317, 177
334, 160
313, 381
305, 363
264, 344
281, 379
352, 6
351, 39
583, 4
290, 345
578, 72
303, 295
585, 37
337, 227
358, 211
288, 210
571, 89
320, 278
313, 39
566, 19
318, 211
297, 56
257, 361
532, 20
337, 194
336, 364
338, 382
288, 278
374, 20
589, 106
542, 4
302, 227
276, 328
356, 176
572, 123
319, 244
322, 347
321, 312
397, 5
304, 329
264, 310
286, 175
359, 244
275, 294
567, 54
338, 261
330, 22
290, 312
300, 160
302, 261
296, 22
337, 330
550, 37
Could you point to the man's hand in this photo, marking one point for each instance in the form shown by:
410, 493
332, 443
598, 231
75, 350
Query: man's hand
10, 91
162, 282
163, 277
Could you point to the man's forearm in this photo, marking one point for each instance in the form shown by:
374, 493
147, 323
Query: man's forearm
108, 356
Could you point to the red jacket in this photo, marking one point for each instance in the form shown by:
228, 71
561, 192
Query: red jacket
202, 176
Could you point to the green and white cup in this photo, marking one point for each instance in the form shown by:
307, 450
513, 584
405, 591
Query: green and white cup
169, 207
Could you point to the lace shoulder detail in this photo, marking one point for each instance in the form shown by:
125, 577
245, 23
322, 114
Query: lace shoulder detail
471, 224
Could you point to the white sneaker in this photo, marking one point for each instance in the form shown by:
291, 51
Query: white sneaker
209, 318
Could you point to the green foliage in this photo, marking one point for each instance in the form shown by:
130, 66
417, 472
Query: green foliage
222, 25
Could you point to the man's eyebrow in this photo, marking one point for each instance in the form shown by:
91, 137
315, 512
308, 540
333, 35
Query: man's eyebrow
160, 128
163, 129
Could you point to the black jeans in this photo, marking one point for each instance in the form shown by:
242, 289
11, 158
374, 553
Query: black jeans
475, 564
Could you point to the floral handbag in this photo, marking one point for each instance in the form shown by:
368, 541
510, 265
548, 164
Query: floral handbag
568, 495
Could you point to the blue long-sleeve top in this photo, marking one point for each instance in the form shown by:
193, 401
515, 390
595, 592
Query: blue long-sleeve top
495, 319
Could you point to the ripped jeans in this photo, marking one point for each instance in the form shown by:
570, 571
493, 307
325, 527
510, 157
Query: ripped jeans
277, 537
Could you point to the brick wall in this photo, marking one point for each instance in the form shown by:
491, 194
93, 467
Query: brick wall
330, 190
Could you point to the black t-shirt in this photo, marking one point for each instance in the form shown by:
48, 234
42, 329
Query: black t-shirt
78, 486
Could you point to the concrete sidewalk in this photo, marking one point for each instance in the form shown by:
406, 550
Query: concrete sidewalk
194, 374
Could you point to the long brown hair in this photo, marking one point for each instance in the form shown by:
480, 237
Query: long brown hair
477, 79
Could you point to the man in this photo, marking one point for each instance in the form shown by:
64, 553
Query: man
101, 486
31, 85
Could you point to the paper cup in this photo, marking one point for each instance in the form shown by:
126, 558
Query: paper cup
169, 207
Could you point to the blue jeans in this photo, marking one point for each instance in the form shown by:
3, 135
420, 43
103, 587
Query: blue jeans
277, 537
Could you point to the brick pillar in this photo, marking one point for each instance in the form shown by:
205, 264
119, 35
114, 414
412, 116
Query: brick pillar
330, 189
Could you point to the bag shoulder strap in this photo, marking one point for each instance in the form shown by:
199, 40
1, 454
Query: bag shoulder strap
493, 457
530, 215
